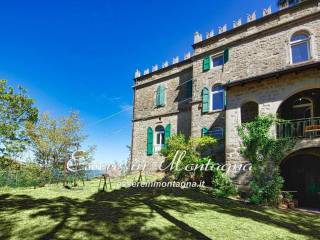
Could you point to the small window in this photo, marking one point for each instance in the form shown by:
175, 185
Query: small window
249, 112
160, 96
217, 61
217, 133
217, 98
300, 48
160, 138
189, 89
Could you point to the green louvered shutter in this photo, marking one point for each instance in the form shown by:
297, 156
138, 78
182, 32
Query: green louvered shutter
205, 100
149, 141
167, 133
158, 96
206, 64
162, 95
204, 132
226, 55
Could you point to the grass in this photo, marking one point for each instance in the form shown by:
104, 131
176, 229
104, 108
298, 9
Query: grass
130, 213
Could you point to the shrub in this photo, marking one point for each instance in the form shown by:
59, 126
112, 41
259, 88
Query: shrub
193, 149
222, 184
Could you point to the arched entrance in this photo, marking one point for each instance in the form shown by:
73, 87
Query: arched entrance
301, 173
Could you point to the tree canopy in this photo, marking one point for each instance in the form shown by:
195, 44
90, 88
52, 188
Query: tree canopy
16, 110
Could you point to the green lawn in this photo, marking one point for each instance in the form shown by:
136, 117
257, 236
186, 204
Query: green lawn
85, 213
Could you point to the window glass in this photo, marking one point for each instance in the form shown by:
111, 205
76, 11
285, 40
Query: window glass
189, 89
300, 48
160, 138
217, 133
298, 37
217, 97
300, 52
217, 61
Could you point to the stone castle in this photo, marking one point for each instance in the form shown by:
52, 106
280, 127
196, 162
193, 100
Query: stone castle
267, 65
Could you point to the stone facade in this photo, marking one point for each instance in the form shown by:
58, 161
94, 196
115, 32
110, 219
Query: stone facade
258, 50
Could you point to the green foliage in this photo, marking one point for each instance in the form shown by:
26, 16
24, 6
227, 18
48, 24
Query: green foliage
265, 152
222, 184
28, 175
54, 140
193, 149
16, 109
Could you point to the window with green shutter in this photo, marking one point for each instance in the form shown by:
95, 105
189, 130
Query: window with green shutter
167, 133
205, 100
226, 55
149, 141
204, 132
160, 96
206, 64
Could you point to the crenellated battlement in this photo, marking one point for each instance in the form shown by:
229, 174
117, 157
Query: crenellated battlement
198, 38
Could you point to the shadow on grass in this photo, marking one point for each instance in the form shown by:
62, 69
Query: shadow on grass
124, 213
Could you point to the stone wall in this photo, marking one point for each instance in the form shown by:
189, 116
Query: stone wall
175, 94
175, 112
269, 94
179, 123
257, 48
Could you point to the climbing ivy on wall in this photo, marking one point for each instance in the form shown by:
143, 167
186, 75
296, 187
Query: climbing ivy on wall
265, 152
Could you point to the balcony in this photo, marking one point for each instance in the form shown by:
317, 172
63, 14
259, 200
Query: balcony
301, 114
299, 128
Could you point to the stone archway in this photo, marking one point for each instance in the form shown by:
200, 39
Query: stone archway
301, 173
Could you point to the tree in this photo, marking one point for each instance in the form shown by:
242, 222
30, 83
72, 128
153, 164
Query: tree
53, 141
16, 110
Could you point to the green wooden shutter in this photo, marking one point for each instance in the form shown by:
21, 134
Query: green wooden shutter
226, 55
162, 94
204, 132
149, 141
158, 96
205, 100
167, 133
206, 64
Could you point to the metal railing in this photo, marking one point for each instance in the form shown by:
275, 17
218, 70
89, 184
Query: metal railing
299, 128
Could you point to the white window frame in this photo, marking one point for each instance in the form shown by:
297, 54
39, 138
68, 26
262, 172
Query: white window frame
298, 42
158, 147
216, 56
211, 99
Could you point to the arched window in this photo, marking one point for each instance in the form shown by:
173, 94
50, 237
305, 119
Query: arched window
249, 112
300, 48
160, 138
217, 98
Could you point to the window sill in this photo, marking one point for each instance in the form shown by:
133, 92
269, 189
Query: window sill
216, 68
215, 111
301, 63
157, 107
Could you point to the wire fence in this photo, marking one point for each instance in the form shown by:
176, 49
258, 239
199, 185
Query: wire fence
38, 178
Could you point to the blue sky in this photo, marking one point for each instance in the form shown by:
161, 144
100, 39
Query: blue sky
81, 55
